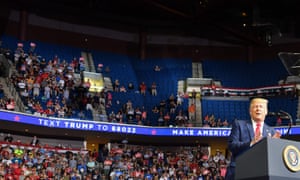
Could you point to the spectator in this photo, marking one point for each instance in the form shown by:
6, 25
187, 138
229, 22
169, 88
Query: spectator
154, 89
133, 161
128, 105
47, 91
36, 89
119, 116
155, 110
109, 99
157, 68
123, 89
116, 85
179, 98
81, 114
144, 117
143, 88
21, 86
87, 84
99, 68
60, 113
219, 123
35, 141
167, 119
130, 86
162, 105
130, 115
193, 96
172, 107
192, 112
278, 121
225, 123
112, 117
138, 114
8, 138
72, 161
10, 104
89, 103
160, 119
180, 119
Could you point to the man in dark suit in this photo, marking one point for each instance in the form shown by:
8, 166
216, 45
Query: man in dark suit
8, 138
245, 134
35, 141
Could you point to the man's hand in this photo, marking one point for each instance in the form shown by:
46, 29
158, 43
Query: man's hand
256, 139
277, 134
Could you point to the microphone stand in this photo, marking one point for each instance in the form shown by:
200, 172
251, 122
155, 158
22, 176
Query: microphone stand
290, 119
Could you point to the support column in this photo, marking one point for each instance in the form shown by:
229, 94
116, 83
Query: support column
143, 44
23, 25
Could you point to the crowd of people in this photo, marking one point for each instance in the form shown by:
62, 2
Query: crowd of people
49, 88
37, 161
168, 112
53, 88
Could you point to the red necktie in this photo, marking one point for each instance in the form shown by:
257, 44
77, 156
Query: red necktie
257, 130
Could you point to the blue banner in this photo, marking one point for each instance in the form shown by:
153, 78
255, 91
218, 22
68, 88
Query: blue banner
98, 126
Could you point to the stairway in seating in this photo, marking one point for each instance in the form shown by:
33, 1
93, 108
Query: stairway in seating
10, 92
88, 61
197, 70
198, 73
99, 114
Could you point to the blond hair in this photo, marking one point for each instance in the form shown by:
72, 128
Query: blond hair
260, 100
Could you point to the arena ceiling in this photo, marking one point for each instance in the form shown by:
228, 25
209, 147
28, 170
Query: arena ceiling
235, 22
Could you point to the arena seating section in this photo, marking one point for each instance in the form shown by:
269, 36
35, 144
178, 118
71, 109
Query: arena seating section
132, 70
243, 74
234, 74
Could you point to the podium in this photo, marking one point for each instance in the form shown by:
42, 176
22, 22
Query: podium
270, 159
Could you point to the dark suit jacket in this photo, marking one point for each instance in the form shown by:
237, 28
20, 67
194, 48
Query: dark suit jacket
241, 136
34, 142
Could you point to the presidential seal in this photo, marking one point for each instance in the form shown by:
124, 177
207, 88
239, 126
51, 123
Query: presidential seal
291, 158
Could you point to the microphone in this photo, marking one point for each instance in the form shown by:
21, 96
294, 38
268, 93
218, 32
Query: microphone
282, 114
274, 113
